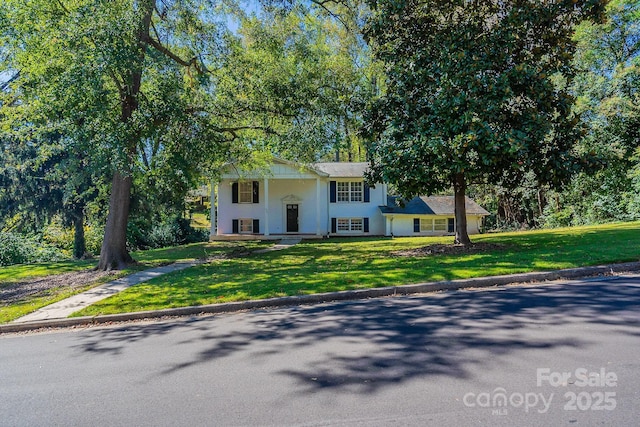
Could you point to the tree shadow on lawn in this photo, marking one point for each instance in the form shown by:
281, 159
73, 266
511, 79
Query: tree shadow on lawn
364, 346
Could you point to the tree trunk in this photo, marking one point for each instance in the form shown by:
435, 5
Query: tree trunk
460, 188
114, 254
79, 245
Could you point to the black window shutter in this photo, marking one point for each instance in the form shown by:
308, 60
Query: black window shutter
334, 225
234, 192
256, 192
235, 227
367, 193
452, 225
366, 225
256, 226
416, 225
333, 189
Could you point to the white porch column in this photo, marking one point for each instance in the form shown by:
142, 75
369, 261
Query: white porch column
213, 228
266, 206
318, 206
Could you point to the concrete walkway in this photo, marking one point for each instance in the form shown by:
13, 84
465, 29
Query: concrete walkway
282, 244
67, 307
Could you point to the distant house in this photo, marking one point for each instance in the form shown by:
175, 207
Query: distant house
322, 199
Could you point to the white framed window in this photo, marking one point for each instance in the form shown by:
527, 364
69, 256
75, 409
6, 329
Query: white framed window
356, 224
356, 191
350, 191
440, 224
245, 225
343, 191
346, 225
433, 224
245, 192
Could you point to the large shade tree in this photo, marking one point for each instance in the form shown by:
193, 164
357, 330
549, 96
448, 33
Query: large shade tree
119, 78
40, 179
157, 93
476, 93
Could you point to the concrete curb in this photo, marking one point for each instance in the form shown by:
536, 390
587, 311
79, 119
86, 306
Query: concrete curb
418, 288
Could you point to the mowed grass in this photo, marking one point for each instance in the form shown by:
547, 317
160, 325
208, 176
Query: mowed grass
344, 264
199, 220
146, 259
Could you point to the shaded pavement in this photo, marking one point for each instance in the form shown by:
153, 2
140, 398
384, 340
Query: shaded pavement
404, 360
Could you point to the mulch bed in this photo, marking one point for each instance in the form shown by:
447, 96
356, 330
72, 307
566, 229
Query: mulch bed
440, 249
18, 291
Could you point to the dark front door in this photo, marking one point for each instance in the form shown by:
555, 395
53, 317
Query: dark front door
292, 218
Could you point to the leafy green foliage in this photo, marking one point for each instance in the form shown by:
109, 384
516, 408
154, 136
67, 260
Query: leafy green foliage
296, 81
57, 234
475, 93
19, 249
125, 82
172, 231
44, 179
608, 90
153, 95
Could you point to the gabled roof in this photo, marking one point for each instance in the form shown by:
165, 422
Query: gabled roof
431, 205
324, 169
342, 169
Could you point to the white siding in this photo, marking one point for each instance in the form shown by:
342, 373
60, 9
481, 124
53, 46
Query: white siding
281, 192
363, 209
402, 225
228, 211
301, 192
289, 184
276, 170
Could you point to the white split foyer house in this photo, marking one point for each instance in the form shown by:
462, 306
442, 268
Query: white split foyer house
323, 199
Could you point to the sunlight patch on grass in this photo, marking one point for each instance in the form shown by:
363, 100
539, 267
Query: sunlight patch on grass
16, 273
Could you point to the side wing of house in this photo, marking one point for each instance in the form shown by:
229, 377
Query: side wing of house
429, 216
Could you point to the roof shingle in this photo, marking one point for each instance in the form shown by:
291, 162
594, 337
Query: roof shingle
431, 205
342, 169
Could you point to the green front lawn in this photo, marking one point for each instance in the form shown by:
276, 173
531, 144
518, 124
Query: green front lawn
146, 259
343, 264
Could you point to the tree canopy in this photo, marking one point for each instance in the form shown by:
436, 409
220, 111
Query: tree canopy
476, 92
156, 94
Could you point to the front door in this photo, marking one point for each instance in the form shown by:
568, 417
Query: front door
292, 218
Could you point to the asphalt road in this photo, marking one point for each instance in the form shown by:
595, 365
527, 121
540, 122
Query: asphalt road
558, 354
